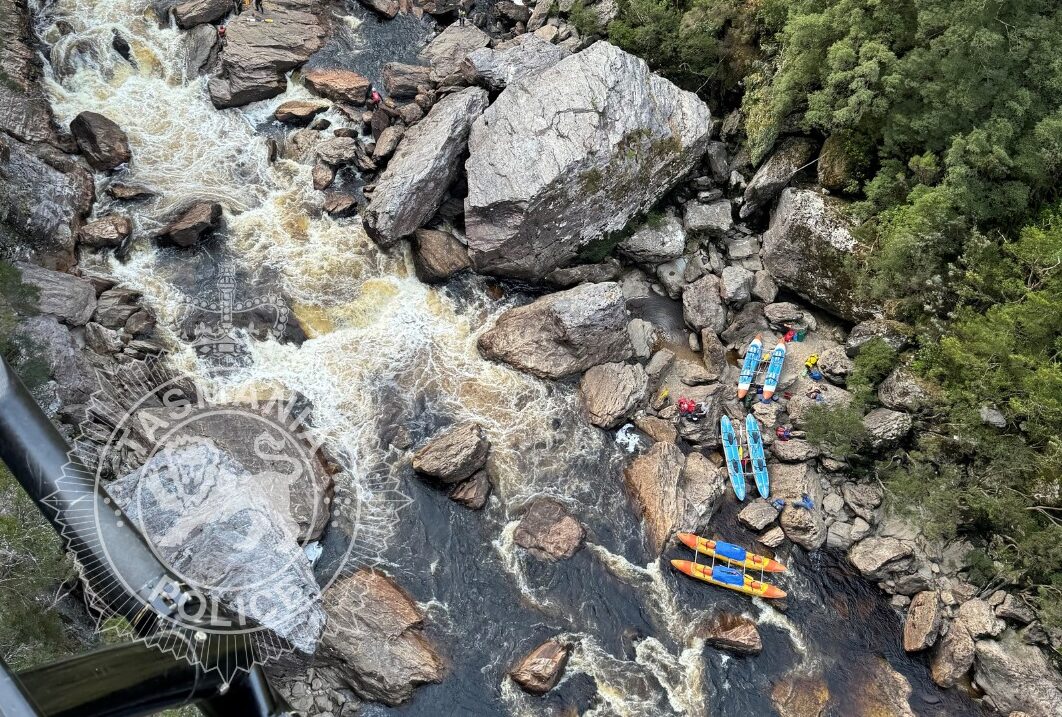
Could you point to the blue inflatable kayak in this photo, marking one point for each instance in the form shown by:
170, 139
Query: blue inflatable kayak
753, 355
732, 451
759, 463
774, 371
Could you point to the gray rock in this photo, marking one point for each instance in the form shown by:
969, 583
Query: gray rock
702, 486
197, 12
388, 141
773, 537
102, 340
562, 333
772, 176
108, 231
758, 514
886, 428
338, 151
548, 531
977, 617
438, 255
114, 307
839, 536
953, 657
745, 325
736, 285
835, 365
795, 450
711, 220
299, 112
806, 249
876, 557
800, 403
374, 633
541, 670
447, 51
608, 270
733, 633
611, 154
454, 454
655, 243
242, 549
903, 391
426, 163
402, 81
201, 50
672, 275
24, 109
474, 492
652, 479
53, 343
1015, 610
702, 305
718, 162
922, 624
862, 498
1015, 676
644, 337
895, 334
763, 287
992, 416
499, 67
68, 298
790, 481
611, 391
101, 140
258, 55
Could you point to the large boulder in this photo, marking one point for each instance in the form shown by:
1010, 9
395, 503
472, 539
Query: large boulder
24, 109
498, 67
791, 481
702, 486
895, 334
562, 333
299, 112
191, 225
953, 657
108, 231
571, 153
338, 84
772, 176
922, 624
979, 619
1016, 676
374, 634
438, 255
799, 694
447, 51
64, 296
806, 249
886, 428
548, 531
886, 693
653, 481
190, 13
257, 55
413, 186
902, 390
454, 454
201, 45
101, 140
75, 378
655, 242
876, 557
733, 633
611, 391
702, 305
541, 670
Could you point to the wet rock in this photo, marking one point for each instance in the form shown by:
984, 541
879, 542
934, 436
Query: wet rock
413, 186
774, 174
548, 531
953, 657
388, 141
108, 231
215, 548
652, 479
192, 224
474, 492
497, 68
257, 55
1012, 608
978, 618
735, 285
608, 270
800, 695
711, 220
886, 693
447, 51
338, 151
702, 305
337, 84
24, 109
655, 242
562, 333
835, 365
374, 633
299, 112
68, 298
340, 204
876, 557
454, 454
1015, 676
114, 307
197, 12
322, 175
611, 391
886, 428
806, 249
758, 514
438, 255
386, 8
922, 624
541, 670
201, 50
773, 537
862, 498
895, 334
523, 220
129, 192
101, 140
404, 81
733, 633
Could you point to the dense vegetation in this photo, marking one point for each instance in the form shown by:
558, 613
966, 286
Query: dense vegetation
949, 124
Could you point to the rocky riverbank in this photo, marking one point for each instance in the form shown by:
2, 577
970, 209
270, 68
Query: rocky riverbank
520, 150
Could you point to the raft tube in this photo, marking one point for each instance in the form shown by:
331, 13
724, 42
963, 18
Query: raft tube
729, 578
733, 456
774, 371
759, 463
753, 356
730, 553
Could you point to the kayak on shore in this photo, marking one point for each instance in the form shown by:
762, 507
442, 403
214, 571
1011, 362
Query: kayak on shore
730, 553
753, 356
774, 371
756, 457
729, 578
732, 452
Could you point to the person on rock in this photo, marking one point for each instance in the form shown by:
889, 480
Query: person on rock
374, 97
461, 14
259, 7
237, 6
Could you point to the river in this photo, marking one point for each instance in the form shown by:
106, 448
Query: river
384, 349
